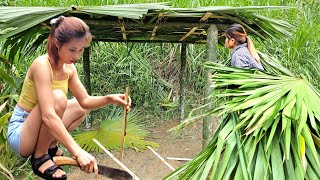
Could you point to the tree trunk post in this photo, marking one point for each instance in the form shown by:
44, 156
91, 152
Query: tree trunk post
209, 122
182, 80
87, 82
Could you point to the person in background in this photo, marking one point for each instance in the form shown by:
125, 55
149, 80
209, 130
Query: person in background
243, 55
43, 115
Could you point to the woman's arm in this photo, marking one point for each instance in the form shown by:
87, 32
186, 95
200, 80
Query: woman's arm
92, 102
40, 72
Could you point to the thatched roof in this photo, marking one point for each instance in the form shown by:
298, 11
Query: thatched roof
143, 22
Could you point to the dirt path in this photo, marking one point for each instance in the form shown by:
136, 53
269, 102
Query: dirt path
145, 164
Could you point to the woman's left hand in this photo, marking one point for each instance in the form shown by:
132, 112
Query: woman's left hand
119, 99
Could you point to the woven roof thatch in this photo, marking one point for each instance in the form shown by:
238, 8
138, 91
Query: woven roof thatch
142, 22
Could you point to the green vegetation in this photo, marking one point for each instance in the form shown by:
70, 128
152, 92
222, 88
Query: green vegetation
152, 71
110, 133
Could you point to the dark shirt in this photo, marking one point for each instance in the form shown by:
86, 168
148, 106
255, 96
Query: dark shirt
241, 58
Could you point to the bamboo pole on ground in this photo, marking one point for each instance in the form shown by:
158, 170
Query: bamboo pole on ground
178, 159
164, 161
116, 160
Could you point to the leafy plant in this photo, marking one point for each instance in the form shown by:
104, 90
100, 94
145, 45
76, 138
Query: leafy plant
109, 133
10, 163
3, 143
270, 128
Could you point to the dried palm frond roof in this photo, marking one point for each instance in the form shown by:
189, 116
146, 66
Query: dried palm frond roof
153, 22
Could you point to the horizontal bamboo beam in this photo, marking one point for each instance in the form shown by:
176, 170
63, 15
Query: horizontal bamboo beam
152, 41
166, 31
165, 26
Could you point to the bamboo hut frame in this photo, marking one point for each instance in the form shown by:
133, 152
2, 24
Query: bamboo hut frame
158, 23
196, 32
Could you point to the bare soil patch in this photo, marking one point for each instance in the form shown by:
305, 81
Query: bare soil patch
145, 164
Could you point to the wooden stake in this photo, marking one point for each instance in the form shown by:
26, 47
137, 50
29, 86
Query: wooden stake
165, 162
115, 159
124, 124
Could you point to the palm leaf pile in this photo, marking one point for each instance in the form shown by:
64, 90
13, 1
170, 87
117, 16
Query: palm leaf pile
109, 133
269, 130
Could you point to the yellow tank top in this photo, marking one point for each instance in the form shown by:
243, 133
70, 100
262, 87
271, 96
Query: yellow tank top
28, 96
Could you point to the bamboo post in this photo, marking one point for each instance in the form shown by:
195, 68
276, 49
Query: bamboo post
115, 159
86, 69
182, 80
209, 122
161, 158
87, 80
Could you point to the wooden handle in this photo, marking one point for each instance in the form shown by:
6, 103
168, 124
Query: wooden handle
63, 160
111, 173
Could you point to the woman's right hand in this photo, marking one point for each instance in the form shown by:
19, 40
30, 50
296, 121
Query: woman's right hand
87, 163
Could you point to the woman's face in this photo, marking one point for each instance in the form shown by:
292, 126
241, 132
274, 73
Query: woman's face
71, 51
230, 43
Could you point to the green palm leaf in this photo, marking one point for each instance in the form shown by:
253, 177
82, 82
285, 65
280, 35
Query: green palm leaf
275, 128
134, 11
18, 19
110, 133
6, 77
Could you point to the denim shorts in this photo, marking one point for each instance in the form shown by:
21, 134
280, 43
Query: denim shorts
14, 129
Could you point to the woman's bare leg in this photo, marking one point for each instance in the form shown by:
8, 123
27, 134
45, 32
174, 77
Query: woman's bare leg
35, 138
74, 115
72, 118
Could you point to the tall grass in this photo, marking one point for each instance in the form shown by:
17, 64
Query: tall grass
150, 70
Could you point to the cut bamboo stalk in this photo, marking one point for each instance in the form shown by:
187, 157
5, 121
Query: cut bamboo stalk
124, 124
178, 159
115, 159
164, 161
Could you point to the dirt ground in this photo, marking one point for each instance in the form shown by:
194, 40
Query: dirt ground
146, 165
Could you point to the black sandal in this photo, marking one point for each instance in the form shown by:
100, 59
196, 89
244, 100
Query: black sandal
53, 152
47, 174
